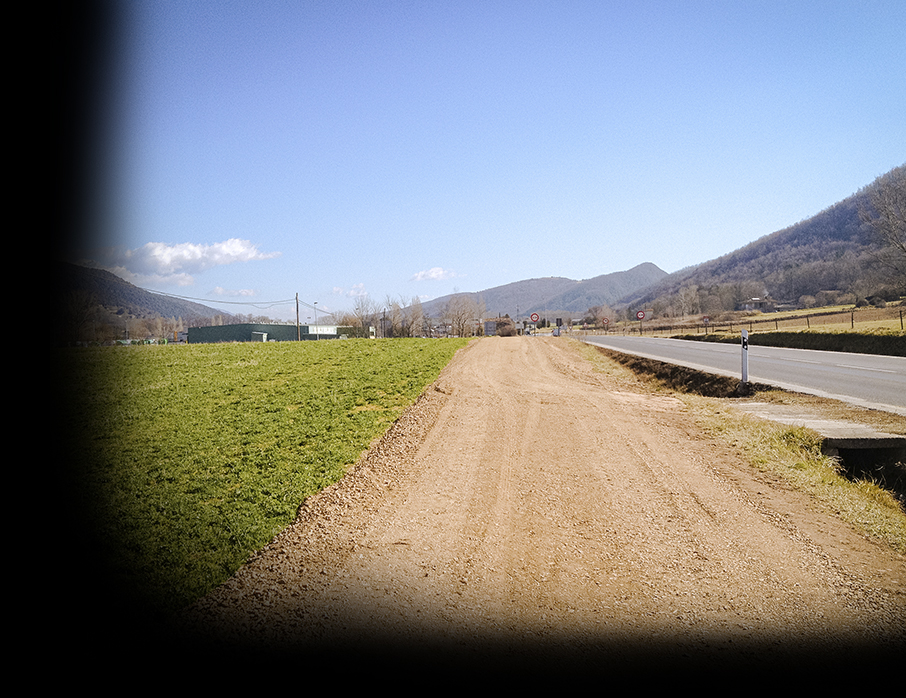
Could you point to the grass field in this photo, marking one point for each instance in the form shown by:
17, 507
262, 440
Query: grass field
824, 319
832, 328
836, 319
189, 458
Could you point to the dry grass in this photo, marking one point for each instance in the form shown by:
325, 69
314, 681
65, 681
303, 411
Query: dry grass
793, 453
840, 318
826, 408
610, 368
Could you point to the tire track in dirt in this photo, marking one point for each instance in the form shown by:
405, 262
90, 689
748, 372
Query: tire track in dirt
536, 508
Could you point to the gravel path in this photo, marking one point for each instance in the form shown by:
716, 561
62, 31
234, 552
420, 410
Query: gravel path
528, 506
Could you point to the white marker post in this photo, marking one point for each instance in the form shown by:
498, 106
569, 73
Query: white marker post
745, 356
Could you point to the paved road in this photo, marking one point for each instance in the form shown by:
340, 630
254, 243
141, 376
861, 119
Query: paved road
868, 380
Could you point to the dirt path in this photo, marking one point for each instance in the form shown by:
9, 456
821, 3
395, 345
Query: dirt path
530, 504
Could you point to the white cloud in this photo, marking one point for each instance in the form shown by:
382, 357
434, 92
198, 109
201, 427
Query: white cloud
175, 264
433, 274
356, 291
146, 279
234, 293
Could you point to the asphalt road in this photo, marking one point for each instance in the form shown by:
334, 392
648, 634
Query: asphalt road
877, 382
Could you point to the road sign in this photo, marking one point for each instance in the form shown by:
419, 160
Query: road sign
535, 317
640, 315
606, 321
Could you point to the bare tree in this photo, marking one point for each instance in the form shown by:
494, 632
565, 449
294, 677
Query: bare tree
347, 319
602, 312
887, 217
364, 311
688, 299
397, 318
416, 316
461, 310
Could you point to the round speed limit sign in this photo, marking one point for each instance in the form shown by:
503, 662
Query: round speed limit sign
535, 317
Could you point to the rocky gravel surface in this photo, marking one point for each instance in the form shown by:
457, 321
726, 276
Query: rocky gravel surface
530, 508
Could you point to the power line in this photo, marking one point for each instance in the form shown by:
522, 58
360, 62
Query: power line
261, 305
255, 304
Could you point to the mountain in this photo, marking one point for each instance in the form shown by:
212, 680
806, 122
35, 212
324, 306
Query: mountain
832, 257
557, 294
96, 287
606, 289
835, 253
835, 256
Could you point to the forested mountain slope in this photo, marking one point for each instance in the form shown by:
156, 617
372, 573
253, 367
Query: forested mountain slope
117, 295
833, 251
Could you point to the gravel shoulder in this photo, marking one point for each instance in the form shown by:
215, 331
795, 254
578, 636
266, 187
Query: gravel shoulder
530, 507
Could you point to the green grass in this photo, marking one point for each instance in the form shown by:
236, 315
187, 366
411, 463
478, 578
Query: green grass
191, 457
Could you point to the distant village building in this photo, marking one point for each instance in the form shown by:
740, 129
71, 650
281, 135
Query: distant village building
262, 332
765, 305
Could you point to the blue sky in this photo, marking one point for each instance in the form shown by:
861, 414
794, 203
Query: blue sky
331, 149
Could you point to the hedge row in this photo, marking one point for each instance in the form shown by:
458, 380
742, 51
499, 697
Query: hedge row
889, 344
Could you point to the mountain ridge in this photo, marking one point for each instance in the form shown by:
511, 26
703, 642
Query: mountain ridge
556, 293
834, 254
835, 249
115, 295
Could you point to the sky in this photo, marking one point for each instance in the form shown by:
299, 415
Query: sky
259, 150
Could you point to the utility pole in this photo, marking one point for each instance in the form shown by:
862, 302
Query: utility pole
298, 329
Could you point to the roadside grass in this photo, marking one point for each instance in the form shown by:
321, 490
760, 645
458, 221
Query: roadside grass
890, 325
602, 363
792, 453
185, 459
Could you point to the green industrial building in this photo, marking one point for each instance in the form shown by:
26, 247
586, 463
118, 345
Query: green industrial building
260, 332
